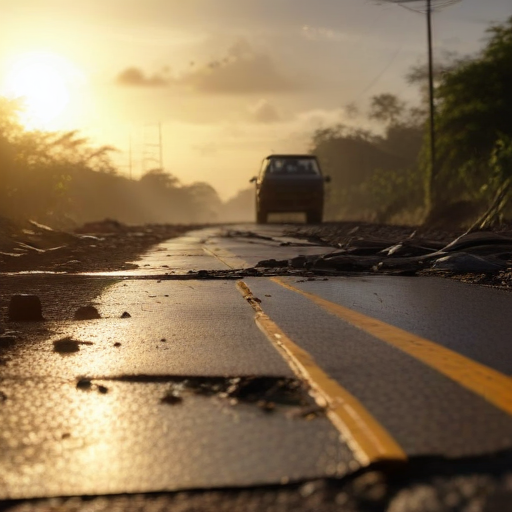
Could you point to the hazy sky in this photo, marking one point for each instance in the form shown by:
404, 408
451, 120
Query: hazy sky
229, 80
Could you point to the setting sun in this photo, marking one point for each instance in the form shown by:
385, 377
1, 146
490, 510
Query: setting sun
43, 81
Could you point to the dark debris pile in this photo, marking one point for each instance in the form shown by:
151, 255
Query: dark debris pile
479, 257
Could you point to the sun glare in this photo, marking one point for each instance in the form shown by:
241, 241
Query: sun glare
43, 81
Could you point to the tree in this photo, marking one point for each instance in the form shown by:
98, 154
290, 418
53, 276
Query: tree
159, 179
387, 108
474, 118
427, 7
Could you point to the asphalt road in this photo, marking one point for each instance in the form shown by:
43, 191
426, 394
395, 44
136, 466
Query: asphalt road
201, 376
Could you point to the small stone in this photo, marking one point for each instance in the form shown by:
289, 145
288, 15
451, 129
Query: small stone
87, 313
84, 384
7, 341
117, 344
102, 389
163, 339
25, 308
172, 399
66, 346
126, 315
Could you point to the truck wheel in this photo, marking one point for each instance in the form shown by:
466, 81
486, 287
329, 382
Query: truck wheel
261, 217
314, 217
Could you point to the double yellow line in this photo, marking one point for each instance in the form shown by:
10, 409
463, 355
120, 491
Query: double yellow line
370, 441
485, 382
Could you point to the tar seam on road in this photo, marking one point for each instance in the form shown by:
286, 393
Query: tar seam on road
226, 257
369, 441
490, 384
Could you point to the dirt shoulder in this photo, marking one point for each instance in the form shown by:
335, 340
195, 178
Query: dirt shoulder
101, 246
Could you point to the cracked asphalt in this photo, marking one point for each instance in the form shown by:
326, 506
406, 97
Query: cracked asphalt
204, 380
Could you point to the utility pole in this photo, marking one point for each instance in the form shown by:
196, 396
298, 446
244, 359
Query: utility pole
432, 108
427, 7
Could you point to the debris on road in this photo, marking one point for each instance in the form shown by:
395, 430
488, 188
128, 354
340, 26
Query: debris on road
87, 313
86, 384
28, 245
68, 345
267, 393
25, 308
7, 341
484, 257
172, 398
462, 262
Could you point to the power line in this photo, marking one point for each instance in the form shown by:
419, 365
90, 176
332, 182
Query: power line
427, 7
381, 73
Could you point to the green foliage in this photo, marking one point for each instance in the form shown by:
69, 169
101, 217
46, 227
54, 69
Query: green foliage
474, 111
387, 108
374, 177
500, 183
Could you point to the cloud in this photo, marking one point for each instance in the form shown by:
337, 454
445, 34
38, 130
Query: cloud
264, 112
324, 34
135, 77
242, 71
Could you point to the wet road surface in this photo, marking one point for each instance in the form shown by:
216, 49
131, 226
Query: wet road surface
198, 375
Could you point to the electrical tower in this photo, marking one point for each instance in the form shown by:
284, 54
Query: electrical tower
152, 152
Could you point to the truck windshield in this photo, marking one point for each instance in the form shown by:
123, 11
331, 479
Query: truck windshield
293, 166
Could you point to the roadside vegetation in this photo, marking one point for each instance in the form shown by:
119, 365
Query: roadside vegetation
386, 177
62, 180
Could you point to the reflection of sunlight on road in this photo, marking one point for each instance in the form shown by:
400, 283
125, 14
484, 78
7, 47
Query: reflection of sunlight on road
103, 448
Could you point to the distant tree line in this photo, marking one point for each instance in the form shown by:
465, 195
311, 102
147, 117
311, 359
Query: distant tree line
385, 177
60, 179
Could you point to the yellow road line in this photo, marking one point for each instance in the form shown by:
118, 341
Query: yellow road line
368, 440
490, 384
